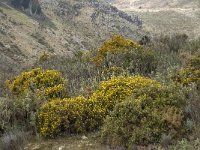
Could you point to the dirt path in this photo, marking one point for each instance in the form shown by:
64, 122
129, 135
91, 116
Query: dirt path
88, 142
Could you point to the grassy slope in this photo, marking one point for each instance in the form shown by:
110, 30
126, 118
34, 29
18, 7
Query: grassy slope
66, 29
165, 16
169, 22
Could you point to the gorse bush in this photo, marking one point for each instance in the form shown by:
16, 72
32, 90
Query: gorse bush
190, 74
57, 116
29, 91
80, 114
194, 61
116, 44
74, 115
145, 117
125, 53
119, 88
48, 83
187, 76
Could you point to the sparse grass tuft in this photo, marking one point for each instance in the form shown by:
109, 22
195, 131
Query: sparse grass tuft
14, 140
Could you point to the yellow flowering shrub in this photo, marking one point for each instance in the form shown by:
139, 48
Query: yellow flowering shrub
116, 44
80, 114
73, 115
187, 76
190, 74
119, 88
194, 61
127, 54
141, 120
48, 83
30, 90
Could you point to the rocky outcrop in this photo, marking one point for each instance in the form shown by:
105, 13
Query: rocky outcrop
30, 6
72, 8
109, 9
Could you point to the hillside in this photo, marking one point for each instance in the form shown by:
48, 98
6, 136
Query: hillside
154, 4
165, 16
65, 26
99, 75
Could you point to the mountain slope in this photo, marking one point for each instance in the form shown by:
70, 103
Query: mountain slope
154, 4
165, 16
66, 26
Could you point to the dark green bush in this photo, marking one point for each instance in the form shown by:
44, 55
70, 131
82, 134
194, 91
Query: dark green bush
20, 112
6, 107
144, 119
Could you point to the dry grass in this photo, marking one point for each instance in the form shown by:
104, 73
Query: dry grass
74, 142
164, 16
169, 22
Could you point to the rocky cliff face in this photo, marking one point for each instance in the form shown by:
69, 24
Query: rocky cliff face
30, 6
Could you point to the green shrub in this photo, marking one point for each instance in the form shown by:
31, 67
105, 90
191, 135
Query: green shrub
14, 140
170, 44
79, 71
145, 117
142, 61
187, 145
20, 112
6, 107
25, 111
